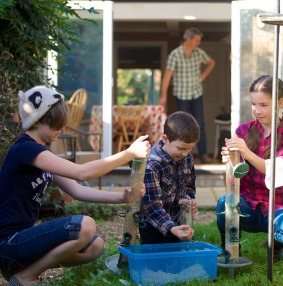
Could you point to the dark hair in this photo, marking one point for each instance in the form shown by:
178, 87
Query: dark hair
57, 116
263, 84
182, 126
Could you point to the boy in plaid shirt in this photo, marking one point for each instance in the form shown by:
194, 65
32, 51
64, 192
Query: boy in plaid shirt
169, 177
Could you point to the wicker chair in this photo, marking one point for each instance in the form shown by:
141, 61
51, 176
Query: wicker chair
64, 147
131, 122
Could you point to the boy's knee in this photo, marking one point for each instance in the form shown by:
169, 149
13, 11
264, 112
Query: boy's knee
221, 200
278, 228
88, 221
88, 227
220, 207
98, 245
96, 249
95, 242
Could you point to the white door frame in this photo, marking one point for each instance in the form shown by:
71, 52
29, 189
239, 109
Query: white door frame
107, 67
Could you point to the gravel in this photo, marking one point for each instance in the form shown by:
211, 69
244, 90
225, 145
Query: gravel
114, 229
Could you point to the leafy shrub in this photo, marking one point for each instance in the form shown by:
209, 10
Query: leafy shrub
95, 210
53, 199
29, 29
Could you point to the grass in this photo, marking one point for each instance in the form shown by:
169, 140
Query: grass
255, 274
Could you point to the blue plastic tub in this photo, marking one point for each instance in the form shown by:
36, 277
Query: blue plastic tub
159, 264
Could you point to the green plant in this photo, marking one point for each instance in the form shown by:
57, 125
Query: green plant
253, 275
53, 201
29, 29
8, 102
95, 210
133, 86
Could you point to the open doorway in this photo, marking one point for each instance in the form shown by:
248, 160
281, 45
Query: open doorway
138, 86
138, 73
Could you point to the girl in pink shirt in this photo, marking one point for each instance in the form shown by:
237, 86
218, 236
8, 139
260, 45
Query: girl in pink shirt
253, 141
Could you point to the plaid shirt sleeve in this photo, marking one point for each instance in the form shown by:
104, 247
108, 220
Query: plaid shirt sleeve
203, 56
191, 183
172, 61
152, 202
165, 184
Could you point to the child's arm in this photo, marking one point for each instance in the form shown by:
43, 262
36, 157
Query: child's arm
245, 152
93, 169
87, 194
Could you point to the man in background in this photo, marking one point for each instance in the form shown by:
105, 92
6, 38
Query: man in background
184, 64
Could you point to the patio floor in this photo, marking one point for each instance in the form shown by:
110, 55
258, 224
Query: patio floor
210, 183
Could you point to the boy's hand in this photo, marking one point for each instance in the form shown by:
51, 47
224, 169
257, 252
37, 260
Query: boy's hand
183, 232
193, 205
127, 193
140, 148
143, 191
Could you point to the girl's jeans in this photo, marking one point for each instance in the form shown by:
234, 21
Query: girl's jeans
27, 246
256, 222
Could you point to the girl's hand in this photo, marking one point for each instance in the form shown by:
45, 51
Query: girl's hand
140, 148
183, 232
225, 155
239, 144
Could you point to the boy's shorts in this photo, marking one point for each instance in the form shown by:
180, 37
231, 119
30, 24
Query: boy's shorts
29, 245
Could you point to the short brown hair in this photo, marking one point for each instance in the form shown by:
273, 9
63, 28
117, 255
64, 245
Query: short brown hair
182, 126
57, 116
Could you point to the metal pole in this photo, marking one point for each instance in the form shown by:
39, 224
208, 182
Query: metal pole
273, 150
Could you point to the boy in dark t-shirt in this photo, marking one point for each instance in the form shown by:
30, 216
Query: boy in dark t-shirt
27, 250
